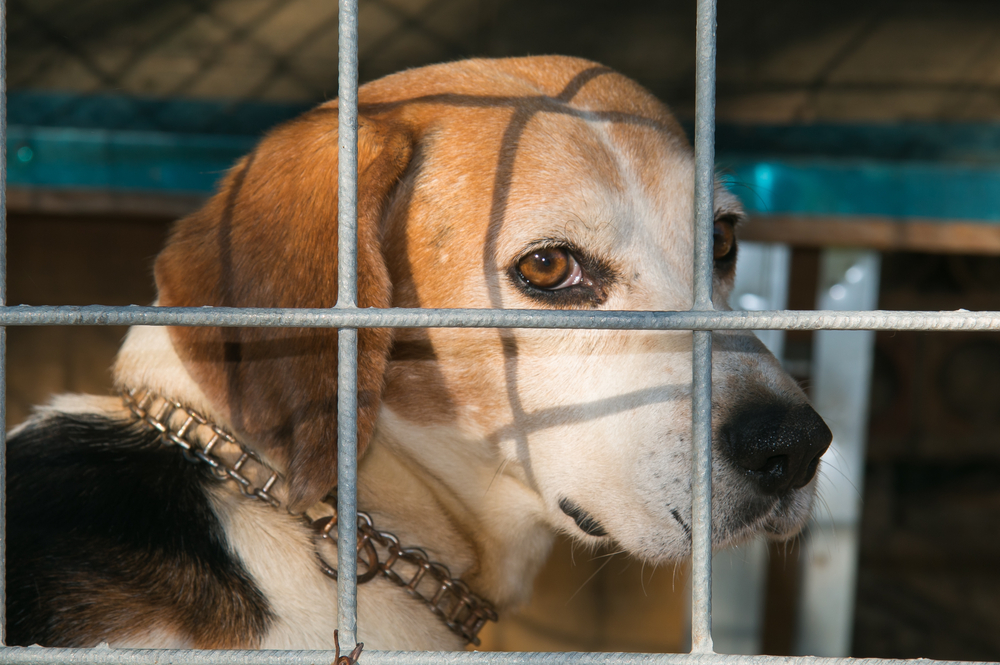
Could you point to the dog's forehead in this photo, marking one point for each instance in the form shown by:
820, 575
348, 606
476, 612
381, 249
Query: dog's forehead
509, 82
517, 152
619, 180
543, 154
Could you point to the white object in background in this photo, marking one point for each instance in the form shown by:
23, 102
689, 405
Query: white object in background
739, 576
762, 284
842, 367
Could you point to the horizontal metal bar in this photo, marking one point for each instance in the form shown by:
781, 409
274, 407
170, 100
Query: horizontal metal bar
106, 656
100, 315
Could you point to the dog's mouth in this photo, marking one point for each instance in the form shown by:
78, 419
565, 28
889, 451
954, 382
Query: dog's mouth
583, 519
780, 518
745, 516
789, 515
776, 518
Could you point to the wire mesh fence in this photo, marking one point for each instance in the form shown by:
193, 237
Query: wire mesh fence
288, 77
117, 64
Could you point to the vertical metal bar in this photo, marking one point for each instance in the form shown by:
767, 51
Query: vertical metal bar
347, 487
701, 499
347, 296
3, 330
701, 398
347, 176
704, 155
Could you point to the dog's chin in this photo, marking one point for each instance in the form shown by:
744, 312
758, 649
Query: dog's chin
775, 519
781, 519
790, 514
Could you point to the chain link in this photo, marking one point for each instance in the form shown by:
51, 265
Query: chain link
159, 413
451, 599
203, 442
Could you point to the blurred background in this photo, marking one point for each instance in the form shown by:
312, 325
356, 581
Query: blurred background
863, 136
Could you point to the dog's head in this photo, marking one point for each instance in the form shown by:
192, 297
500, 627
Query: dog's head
525, 183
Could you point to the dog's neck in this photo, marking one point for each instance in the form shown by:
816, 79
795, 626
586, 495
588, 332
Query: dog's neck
437, 489
427, 485
147, 359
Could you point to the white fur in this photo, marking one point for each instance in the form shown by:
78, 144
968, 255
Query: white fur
74, 403
147, 359
156, 638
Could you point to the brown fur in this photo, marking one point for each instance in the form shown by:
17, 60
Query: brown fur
269, 239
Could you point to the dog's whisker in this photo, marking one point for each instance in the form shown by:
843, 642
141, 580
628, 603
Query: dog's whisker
500, 470
825, 506
826, 468
837, 454
676, 571
592, 576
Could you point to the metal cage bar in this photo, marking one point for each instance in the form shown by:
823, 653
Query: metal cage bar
100, 315
701, 358
106, 656
347, 338
3, 329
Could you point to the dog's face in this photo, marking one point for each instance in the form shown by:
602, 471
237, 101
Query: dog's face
531, 183
586, 204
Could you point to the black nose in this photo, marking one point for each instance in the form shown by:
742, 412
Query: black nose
777, 446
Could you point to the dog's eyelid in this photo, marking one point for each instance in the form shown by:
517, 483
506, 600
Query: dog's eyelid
575, 276
725, 243
736, 218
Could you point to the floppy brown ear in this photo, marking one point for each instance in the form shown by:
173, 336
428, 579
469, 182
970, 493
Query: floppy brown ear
268, 238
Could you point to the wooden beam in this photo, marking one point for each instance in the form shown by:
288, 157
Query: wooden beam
101, 202
881, 233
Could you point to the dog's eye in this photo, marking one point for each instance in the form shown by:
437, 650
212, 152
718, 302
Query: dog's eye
724, 238
550, 268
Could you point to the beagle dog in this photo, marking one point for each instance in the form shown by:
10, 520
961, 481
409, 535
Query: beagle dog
194, 509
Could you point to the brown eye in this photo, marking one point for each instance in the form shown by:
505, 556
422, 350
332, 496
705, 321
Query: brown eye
724, 238
547, 268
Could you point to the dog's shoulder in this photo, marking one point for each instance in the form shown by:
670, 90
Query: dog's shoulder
112, 537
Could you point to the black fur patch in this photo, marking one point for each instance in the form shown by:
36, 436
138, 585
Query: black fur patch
110, 532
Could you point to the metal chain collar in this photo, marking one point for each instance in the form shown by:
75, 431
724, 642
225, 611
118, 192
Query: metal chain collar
203, 442
464, 612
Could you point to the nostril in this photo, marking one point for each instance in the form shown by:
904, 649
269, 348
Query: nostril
778, 447
810, 472
771, 475
775, 466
